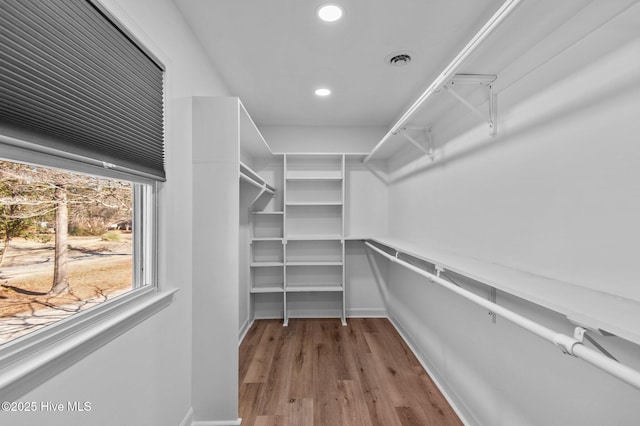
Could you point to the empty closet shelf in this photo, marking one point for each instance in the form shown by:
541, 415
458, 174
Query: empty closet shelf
314, 237
268, 289
314, 263
314, 203
266, 264
314, 288
313, 178
302, 175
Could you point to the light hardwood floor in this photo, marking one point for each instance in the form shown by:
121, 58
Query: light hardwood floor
317, 372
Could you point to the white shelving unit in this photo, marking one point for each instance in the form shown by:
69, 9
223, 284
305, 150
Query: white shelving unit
266, 252
314, 252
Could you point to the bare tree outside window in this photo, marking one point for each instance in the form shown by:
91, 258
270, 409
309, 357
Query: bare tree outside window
66, 244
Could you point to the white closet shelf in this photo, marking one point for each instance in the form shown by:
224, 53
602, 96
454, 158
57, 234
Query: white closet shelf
266, 264
314, 263
314, 178
316, 288
313, 203
586, 307
267, 239
335, 237
268, 213
268, 289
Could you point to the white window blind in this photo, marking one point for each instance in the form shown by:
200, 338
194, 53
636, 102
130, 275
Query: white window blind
72, 81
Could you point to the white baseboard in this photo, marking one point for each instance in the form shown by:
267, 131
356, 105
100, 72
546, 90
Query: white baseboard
188, 418
367, 313
244, 330
451, 397
188, 421
236, 422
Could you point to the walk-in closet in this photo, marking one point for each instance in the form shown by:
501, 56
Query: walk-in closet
368, 213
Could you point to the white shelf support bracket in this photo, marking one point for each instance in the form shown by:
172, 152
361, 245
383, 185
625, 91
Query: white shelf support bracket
417, 144
439, 270
492, 299
430, 148
476, 80
580, 334
493, 111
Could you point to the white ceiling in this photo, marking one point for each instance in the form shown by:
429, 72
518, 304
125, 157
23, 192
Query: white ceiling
273, 54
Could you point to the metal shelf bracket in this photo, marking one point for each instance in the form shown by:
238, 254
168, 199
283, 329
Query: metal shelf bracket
485, 81
492, 299
580, 334
426, 147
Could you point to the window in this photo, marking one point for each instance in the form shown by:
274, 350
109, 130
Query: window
81, 107
68, 242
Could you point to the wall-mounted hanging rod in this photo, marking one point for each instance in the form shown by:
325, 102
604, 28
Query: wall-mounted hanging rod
448, 72
567, 344
262, 186
254, 178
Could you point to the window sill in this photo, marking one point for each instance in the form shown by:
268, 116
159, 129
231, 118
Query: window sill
35, 358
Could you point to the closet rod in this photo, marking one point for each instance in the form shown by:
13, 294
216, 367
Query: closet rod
255, 183
504, 11
567, 344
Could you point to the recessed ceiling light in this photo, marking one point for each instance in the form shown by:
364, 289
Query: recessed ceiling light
330, 12
323, 92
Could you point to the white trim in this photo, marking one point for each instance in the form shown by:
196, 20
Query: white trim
236, 422
22, 151
456, 404
367, 313
123, 21
244, 330
70, 341
187, 420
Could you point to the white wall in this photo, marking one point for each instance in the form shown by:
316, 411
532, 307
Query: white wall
294, 139
554, 194
144, 376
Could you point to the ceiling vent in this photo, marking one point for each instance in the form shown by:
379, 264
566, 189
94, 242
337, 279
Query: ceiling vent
398, 59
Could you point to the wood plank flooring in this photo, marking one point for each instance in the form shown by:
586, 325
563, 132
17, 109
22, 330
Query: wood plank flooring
317, 372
